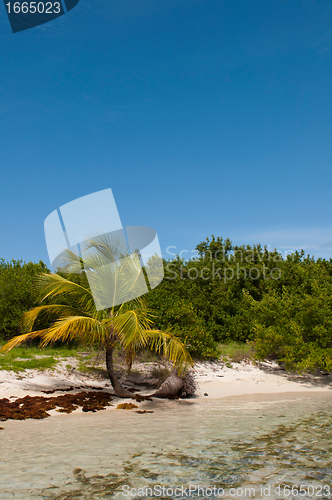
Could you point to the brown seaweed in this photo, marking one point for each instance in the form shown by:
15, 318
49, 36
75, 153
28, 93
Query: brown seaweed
73, 388
126, 406
139, 398
38, 406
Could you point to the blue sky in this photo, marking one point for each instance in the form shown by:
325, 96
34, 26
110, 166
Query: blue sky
203, 116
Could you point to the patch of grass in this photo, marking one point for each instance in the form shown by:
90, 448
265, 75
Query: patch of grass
93, 370
236, 352
135, 372
89, 362
30, 357
147, 356
25, 351
160, 373
19, 365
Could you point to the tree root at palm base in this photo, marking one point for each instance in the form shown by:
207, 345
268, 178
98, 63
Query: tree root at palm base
175, 386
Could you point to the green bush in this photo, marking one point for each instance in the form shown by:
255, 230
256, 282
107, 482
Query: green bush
294, 325
16, 297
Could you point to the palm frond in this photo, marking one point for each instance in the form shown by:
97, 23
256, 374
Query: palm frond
69, 262
171, 348
53, 285
130, 328
138, 303
47, 312
108, 246
21, 338
75, 327
114, 283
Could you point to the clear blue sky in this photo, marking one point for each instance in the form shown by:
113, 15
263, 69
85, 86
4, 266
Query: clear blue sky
203, 116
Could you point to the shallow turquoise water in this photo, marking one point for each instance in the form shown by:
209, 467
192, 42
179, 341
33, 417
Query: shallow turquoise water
253, 442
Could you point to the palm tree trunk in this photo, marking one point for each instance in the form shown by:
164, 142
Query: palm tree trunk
120, 391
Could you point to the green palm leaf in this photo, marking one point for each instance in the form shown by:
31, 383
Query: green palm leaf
76, 328
171, 348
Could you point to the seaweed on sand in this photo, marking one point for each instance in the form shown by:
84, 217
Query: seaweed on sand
139, 398
73, 388
38, 406
126, 406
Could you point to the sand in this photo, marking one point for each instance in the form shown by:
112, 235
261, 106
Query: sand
214, 379
218, 381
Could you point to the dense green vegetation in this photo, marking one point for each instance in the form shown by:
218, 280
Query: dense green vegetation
282, 306
278, 307
16, 279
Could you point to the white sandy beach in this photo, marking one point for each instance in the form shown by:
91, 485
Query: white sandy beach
52, 456
214, 380
218, 381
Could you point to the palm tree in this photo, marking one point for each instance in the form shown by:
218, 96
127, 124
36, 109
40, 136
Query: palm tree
82, 318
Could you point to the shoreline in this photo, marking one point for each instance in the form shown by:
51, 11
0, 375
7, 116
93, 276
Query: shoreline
213, 378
